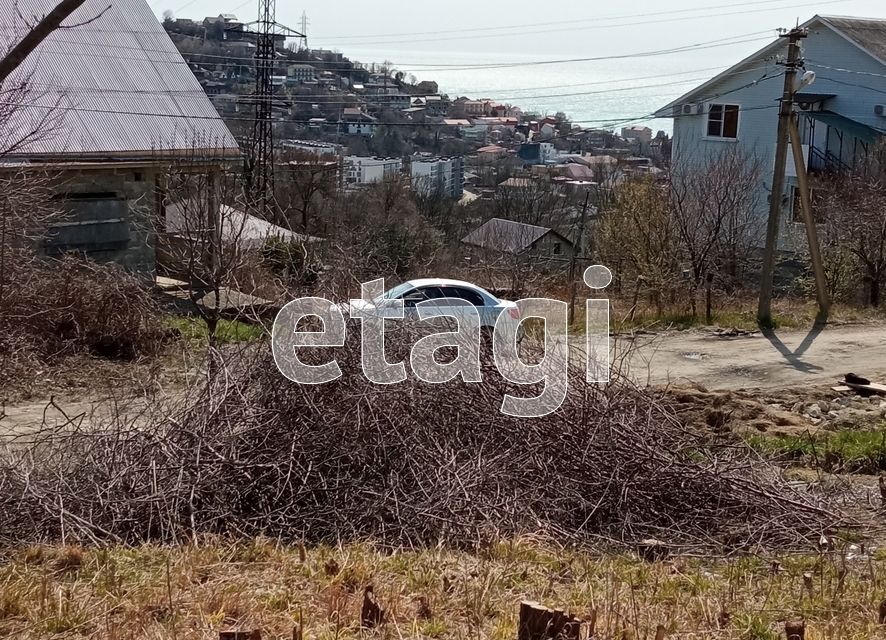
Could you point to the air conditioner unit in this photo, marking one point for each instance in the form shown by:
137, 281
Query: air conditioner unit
880, 109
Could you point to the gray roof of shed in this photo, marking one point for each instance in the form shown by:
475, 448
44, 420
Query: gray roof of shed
116, 85
506, 236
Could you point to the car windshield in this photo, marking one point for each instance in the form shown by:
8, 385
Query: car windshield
396, 292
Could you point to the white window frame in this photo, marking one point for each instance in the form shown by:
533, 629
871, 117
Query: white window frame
707, 120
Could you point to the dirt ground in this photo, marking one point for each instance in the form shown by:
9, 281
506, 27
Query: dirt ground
780, 360
760, 374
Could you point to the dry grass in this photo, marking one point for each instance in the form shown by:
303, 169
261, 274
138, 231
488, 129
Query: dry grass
193, 591
738, 312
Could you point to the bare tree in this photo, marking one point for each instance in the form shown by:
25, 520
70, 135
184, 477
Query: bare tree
854, 206
637, 235
714, 207
531, 200
204, 219
308, 183
32, 39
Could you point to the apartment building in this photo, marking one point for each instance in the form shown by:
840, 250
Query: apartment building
362, 170
445, 176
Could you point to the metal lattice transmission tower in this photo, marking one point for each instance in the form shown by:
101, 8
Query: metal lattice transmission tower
303, 41
260, 164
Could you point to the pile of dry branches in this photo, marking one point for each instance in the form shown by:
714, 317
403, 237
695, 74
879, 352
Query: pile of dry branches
52, 309
405, 464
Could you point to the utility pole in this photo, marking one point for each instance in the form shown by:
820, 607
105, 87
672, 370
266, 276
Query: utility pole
821, 284
785, 115
576, 252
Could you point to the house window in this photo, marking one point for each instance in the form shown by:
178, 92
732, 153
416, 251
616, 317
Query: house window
558, 248
723, 121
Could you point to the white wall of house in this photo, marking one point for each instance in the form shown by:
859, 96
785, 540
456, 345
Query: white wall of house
857, 80
362, 128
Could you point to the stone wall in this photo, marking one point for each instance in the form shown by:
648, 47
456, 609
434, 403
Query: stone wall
108, 217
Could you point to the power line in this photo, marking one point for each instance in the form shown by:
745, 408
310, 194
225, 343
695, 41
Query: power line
595, 20
383, 99
721, 42
813, 63
580, 28
853, 84
711, 44
217, 118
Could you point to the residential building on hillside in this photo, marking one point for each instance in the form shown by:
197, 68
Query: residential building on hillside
109, 161
637, 132
393, 101
301, 72
436, 106
839, 117
357, 123
443, 176
313, 147
537, 153
361, 170
516, 238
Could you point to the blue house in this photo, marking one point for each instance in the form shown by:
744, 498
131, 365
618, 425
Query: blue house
840, 116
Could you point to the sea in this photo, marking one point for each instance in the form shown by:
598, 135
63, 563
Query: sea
601, 94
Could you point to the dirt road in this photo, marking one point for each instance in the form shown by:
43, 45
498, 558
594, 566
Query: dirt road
780, 360
777, 360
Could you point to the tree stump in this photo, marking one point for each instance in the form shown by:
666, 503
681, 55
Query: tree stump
652, 550
239, 635
371, 614
540, 623
795, 630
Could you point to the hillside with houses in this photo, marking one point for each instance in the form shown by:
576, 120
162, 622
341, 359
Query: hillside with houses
327, 104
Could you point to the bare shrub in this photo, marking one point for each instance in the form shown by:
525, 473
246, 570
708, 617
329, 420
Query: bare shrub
407, 464
73, 306
699, 224
853, 205
55, 308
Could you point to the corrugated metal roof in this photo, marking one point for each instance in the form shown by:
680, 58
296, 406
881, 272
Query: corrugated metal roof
117, 85
243, 229
506, 236
867, 33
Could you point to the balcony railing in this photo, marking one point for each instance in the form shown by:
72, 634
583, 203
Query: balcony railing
826, 161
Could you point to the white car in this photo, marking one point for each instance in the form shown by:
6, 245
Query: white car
454, 296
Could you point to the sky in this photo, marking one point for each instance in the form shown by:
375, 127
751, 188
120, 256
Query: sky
424, 39
591, 28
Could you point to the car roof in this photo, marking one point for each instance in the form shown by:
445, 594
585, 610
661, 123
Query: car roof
444, 282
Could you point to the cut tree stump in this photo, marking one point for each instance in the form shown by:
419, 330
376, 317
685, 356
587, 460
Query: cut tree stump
795, 630
652, 550
371, 614
239, 635
541, 623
